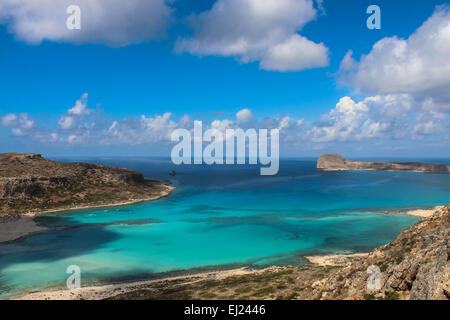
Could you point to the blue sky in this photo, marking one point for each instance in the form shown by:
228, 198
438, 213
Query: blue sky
149, 71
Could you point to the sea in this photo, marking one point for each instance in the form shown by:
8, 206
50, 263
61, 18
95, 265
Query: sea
219, 217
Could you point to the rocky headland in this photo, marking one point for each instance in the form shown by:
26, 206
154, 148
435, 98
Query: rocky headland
334, 162
415, 266
31, 184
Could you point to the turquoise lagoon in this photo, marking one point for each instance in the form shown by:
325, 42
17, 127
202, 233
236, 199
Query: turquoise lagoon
219, 217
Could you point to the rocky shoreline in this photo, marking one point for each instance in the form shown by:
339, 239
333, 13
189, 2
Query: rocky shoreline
31, 185
334, 162
414, 266
13, 228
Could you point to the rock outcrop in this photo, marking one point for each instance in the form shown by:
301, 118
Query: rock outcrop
415, 266
30, 183
334, 162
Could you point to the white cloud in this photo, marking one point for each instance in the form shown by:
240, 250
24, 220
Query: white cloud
76, 114
419, 65
383, 117
66, 122
347, 63
9, 120
430, 123
80, 107
20, 125
341, 123
426, 128
379, 119
111, 22
223, 125
72, 138
254, 30
410, 79
158, 129
139, 131
244, 115
296, 53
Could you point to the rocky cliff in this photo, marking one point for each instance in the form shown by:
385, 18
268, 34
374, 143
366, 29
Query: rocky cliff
30, 183
334, 162
415, 266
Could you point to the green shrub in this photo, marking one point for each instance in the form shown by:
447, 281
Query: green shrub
392, 296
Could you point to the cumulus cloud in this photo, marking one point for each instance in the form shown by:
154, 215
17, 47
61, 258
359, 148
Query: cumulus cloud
410, 80
80, 107
382, 117
244, 115
342, 121
296, 53
80, 125
111, 22
9, 120
430, 123
75, 114
20, 124
254, 30
142, 130
419, 65
66, 122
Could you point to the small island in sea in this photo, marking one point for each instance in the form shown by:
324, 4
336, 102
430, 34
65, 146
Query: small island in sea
335, 162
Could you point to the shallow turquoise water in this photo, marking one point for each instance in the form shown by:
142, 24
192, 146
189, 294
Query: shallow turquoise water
220, 217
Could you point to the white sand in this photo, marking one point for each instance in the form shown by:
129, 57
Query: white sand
107, 291
423, 213
334, 259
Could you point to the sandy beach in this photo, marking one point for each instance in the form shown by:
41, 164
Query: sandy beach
334, 259
107, 291
422, 213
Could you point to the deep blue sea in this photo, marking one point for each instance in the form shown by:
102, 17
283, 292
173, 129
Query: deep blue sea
219, 217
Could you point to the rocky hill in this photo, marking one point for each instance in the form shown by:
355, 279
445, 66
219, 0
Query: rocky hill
415, 266
30, 183
334, 162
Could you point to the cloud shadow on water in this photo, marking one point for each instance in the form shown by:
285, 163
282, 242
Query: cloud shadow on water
67, 240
